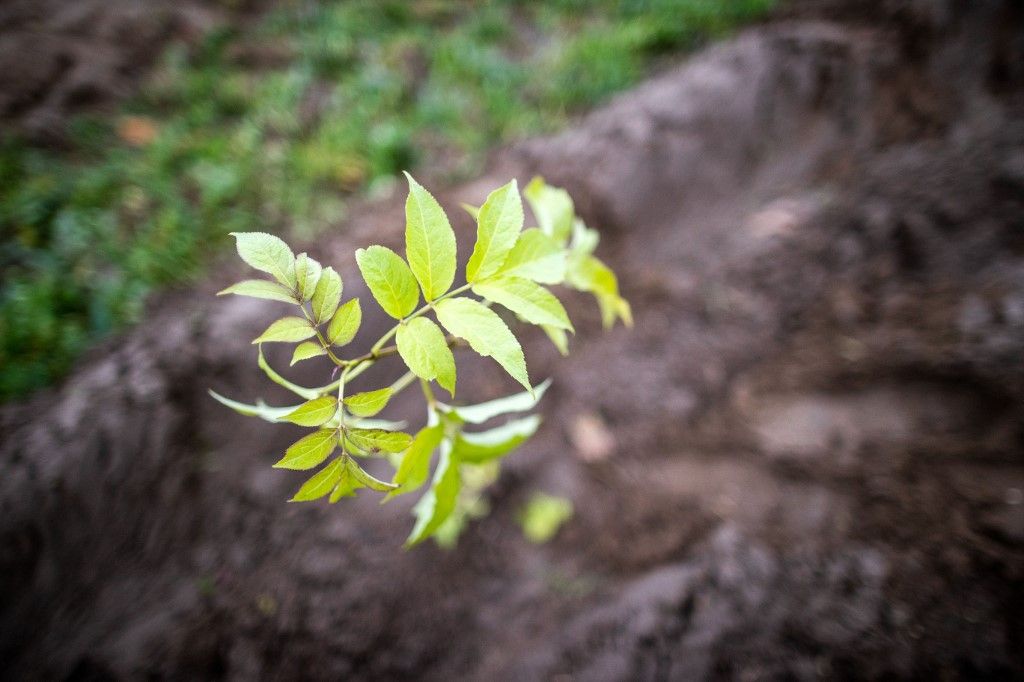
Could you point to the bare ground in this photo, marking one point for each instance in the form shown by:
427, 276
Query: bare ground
59, 58
817, 422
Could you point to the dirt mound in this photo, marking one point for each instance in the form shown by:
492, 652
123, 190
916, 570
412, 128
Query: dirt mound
817, 419
59, 58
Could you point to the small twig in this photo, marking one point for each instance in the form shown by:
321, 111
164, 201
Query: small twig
452, 342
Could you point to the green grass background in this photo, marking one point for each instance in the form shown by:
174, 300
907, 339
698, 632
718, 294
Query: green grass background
274, 128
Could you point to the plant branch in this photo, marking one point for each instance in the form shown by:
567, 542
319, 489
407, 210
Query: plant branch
320, 337
402, 382
394, 330
451, 340
428, 394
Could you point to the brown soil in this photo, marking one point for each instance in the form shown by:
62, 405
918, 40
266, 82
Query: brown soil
817, 421
59, 58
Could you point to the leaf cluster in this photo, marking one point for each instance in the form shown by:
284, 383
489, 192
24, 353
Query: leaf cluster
509, 269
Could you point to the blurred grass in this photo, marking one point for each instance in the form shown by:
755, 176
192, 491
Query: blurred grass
275, 127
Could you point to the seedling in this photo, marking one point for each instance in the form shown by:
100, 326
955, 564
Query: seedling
508, 268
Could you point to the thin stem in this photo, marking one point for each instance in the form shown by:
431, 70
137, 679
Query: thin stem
428, 393
402, 382
393, 350
356, 366
320, 337
428, 306
363, 362
341, 411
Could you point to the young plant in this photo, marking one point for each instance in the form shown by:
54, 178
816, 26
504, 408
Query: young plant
508, 267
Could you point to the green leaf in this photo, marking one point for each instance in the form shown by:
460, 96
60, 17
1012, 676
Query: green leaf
485, 446
260, 288
365, 479
415, 466
314, 413
527, 299
558, 337
309, 451
379, 440
481, 412
498, 227
439, 501
486, 334
345, 323
536, 256
620, 307
473, 211
552, 207
383, 424
346, 487
307, 274
423, 347
307, 350
302, 391
584, 239
321, 484
369, 403
543, 515
390, 280
326, 295
429, 242
587, 273
347, 484
267, 253
260, 409
287, 330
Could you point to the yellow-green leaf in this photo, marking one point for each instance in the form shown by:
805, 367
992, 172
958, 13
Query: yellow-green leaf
315, 412
390, 280
267, 253
307, 274
322, 483
558, 337
429, 242
423, 347
307, 350
360, 475
287, 330
415, 466
302, 391
438, 502
518, 402
369, 403
543, 515
309, 451
260, 409
498, 226
484, 446
326, 295
584, 239
379, 440
587, 273
345, 323
529, 300
347, 484
537, 257
261, 288
486, 334
552, 206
